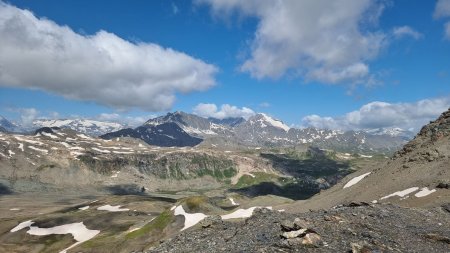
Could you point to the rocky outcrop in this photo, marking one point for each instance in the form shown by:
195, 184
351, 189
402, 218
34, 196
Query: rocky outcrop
430, 135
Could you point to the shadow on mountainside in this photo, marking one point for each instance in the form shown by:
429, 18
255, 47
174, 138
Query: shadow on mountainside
315, 166
4, 190
125, 189
310, 175
295, 191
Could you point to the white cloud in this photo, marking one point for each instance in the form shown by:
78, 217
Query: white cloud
382, 114
447, 30
226, 111
442, 9
27, 115
132, 121
264, 104
404, 31
38, 53
327, 41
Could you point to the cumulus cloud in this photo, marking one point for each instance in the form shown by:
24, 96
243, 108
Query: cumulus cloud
383, 115
226, 111
104, 68
405, 31
322, 40
442, 9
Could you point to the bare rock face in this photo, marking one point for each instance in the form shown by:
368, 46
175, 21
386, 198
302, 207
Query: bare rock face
428, 136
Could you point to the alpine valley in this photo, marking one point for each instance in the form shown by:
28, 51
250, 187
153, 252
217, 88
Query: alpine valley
172, 184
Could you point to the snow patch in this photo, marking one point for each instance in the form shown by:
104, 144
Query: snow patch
233, 202
110, 208
50, 135
38, 149
78, 230
190, 219
84, 208
355, 180
101, 150
401, 193
242, 213
424, 192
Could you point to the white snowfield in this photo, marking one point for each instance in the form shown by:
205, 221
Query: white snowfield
190, 219
78, 230
401, 193
110, 208
355, 180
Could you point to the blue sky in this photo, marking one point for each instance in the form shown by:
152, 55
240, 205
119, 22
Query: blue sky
404, 64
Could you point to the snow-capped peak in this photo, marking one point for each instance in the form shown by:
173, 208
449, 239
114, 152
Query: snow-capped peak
391, 131
273, 122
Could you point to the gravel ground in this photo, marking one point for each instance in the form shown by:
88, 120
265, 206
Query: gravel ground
357, 227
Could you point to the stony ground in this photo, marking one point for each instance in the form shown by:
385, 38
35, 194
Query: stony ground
366, 228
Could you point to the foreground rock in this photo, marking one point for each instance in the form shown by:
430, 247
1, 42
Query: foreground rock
379, 228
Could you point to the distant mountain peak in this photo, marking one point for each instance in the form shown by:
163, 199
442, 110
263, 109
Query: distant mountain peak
86, 126
266, 120
7, 125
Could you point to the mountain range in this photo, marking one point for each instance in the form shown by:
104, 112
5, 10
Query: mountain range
86, 126
260, 130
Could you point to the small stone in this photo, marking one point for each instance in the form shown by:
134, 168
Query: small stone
287, 225
312, 239
439, 238
446, 207
210, 221
299, 223
293, 234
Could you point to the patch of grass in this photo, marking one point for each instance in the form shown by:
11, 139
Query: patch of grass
195, 202
247, 180
45, 166
159, 223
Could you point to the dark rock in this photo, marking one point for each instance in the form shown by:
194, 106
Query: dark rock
210, 221
443, 185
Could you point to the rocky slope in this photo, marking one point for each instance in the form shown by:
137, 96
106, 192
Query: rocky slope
417, 175
357, 229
